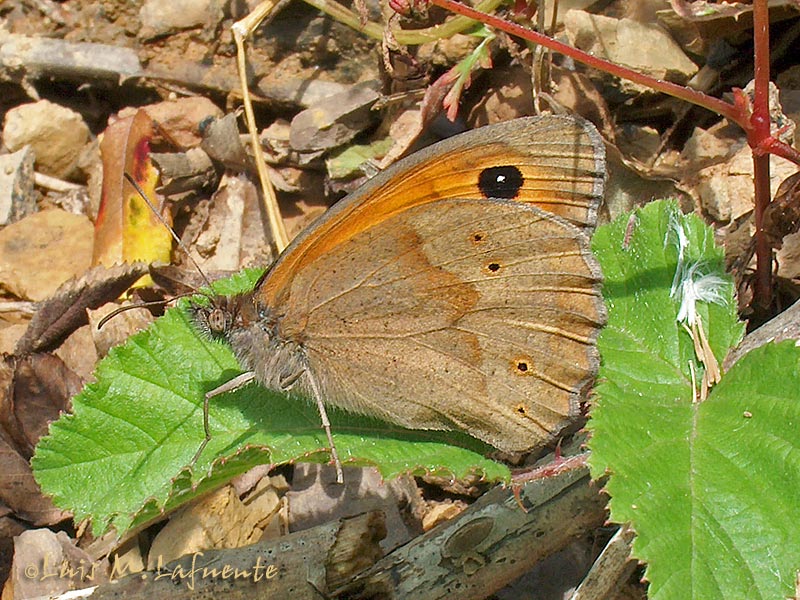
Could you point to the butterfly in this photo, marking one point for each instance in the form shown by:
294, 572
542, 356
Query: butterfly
456, 290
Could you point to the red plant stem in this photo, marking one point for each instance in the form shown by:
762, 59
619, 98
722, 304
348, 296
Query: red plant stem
760, 130
733, 112
678, 91
762, 290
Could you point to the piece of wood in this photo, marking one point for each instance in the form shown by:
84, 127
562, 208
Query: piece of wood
785, 326
184, 171
475, 554
490, 544
300, 566
48, 57
610, 570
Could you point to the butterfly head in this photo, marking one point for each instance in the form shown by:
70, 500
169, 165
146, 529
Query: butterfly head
232, 317
221, 315
252, 331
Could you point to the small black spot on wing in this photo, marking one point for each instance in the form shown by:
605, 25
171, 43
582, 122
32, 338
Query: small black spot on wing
522, 365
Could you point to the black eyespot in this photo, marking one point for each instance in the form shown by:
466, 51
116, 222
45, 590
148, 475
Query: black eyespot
522, 366
477, 237
500, 182
493, 267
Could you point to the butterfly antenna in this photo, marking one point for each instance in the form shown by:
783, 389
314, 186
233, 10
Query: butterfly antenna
122, 309
175, 237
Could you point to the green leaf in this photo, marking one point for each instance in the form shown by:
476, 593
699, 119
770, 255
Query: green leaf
121, 458
348, 162
710, 487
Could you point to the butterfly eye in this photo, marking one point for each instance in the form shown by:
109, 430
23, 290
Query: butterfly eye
217, 321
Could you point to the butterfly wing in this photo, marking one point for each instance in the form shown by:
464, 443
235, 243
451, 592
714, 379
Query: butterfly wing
478, 315
556, 163
424, 300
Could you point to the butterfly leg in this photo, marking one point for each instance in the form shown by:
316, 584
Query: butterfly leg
229, 386
326, 425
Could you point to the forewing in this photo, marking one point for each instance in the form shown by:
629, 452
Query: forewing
559, 162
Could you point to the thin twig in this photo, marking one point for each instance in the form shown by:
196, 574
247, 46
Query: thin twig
241, 30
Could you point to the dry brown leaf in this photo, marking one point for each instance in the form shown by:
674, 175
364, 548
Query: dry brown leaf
33, 392
65, 311
217, 520
126, 228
